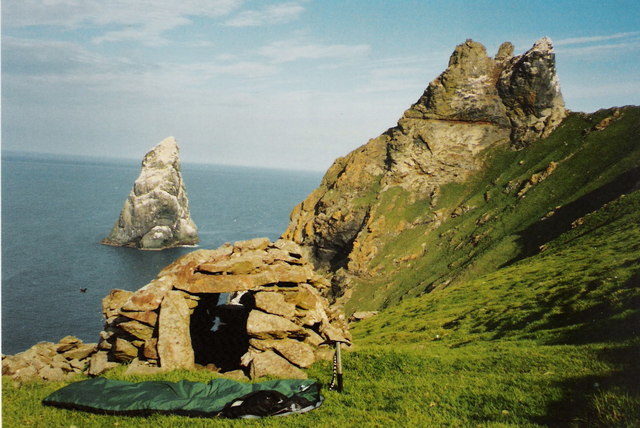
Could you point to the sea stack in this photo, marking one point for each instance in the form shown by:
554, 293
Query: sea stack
156, 213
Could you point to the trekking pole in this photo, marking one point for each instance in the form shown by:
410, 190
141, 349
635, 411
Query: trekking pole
336, 380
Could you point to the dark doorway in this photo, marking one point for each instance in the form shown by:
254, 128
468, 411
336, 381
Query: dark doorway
219, 331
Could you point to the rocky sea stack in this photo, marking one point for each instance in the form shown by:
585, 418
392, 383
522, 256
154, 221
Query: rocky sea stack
156, 213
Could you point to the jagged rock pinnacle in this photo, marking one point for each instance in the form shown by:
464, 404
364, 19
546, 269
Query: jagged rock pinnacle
478, 102
520, 92
156, 213
530, 90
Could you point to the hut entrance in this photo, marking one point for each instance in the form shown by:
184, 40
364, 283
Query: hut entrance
219, 330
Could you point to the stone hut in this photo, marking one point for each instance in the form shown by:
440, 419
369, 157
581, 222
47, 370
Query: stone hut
254, 306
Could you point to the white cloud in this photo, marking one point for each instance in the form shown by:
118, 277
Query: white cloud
611, 44
608, 48
590, 39
142, 20
272, 14
288, 50
38, 66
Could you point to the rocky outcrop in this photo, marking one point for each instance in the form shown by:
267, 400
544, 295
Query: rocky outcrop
156, 213
255, 305
50, 361
530, 90
362, 315
477, 103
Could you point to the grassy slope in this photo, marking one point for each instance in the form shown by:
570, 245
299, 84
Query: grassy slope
505, 227
549, 339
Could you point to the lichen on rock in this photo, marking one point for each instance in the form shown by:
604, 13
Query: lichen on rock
156, 213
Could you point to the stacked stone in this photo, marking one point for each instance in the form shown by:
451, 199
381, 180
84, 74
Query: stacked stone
49, 361
286, 324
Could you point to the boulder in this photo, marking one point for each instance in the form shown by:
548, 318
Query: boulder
67, 343
77, 365
12, 363
81, 352
137, 329
274, 303
174, 336
148, 298
99, 364
235, 375
295, 352
146, 317
114, 301
313, 339
52, 373
25, 374
123, 350
151, 349
251, 244
362, 315
268, 363
266, 326
305, 298
138, 368
156, 213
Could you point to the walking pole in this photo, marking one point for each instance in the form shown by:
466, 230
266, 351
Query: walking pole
336, 380
339, 367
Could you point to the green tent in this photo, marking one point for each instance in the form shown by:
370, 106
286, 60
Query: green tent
110, 396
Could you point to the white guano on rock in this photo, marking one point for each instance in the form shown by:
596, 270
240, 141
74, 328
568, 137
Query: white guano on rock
156, 213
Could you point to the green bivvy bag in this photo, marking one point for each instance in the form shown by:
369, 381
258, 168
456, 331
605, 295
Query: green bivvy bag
219, 397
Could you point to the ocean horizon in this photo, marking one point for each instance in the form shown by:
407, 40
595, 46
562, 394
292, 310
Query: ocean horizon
57, 208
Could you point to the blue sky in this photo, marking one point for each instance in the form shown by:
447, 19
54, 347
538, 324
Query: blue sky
284, 84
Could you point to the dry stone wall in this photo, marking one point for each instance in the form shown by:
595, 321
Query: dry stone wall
49, 361
276, 315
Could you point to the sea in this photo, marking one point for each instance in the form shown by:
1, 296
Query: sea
56, 209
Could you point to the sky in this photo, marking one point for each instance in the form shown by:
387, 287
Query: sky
288, 84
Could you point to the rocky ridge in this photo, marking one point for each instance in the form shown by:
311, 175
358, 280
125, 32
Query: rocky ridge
478, 102
156, 213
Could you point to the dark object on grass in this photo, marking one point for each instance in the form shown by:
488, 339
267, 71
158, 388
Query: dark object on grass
266, 403
108, 396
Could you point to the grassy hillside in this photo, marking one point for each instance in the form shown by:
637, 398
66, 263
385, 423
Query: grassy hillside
519, 337
507, 212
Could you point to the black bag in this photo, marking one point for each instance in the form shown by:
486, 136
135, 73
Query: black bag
259, 404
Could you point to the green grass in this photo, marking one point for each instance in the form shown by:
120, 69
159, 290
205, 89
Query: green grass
518, 337
501, 227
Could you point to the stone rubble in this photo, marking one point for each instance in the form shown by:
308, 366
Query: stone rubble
49, 361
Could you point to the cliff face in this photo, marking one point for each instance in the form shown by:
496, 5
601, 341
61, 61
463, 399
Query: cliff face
477, 103
156, 213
